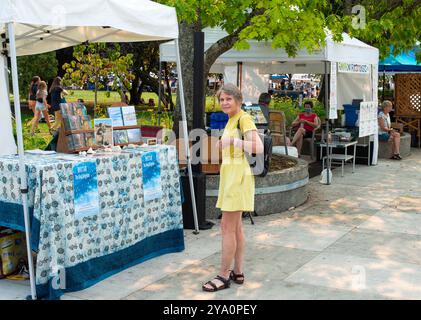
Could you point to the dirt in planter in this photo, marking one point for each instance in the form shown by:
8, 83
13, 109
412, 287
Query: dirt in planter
279, 162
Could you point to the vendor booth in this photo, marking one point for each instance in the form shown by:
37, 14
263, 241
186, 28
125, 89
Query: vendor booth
352, 66
86, 217
407, 80
405, 62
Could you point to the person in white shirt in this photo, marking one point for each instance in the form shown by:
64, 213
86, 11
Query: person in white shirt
386, 132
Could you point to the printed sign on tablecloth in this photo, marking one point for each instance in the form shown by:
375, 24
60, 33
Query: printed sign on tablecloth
85, 187
151, 173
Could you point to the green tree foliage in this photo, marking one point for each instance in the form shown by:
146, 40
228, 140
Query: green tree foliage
384, 23
43, 65
293, 25
98, 61
145, 70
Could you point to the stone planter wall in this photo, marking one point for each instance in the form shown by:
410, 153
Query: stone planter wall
277, 192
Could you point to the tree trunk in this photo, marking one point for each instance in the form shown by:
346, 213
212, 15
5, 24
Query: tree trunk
168, 95
63, 56
186, 42
134, 93
96, 91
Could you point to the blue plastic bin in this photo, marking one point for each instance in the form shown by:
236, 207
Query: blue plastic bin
218, 120
351, 114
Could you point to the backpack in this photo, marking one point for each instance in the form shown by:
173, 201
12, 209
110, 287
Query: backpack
260, 163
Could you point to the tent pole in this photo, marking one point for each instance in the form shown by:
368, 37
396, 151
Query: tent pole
186, 134
22, 171
159, 91
384, 80
327, 122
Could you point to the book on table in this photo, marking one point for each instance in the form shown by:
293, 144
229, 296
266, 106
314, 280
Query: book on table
78, 141
66, 110
89, 140
129, 116
69, 141
120, 137
85, 122
134, 135
72, 123
103, 129
80, 110
116, 115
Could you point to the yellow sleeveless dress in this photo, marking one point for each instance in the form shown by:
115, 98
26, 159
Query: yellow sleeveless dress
236, 183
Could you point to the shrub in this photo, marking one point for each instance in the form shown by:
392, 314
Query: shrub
291, 109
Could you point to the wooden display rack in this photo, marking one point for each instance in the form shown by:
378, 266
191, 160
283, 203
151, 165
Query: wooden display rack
214, 157
63, 147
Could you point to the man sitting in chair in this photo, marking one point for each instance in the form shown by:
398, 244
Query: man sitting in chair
304, 125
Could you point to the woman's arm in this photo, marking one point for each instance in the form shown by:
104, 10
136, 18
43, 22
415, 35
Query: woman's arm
251, 143
382, 125
296, 122
64, 92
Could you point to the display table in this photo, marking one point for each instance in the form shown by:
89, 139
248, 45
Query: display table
75, 253
341, 158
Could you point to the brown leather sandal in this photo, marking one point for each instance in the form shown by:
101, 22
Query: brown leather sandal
238, 278
225, 284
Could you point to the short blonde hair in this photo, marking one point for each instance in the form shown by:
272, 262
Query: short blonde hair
42, 85
230, 90
386, 103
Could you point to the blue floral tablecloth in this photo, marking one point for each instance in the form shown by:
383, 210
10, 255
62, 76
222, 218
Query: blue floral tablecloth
76, 253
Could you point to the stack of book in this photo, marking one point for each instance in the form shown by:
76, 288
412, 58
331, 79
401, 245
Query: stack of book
75, 117
123, 117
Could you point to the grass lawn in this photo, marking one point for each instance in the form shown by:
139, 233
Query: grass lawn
145, 115
112, 96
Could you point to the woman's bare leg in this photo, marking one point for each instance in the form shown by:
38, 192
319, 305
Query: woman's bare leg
35, 121
241, 244
397, 142
229, 223
298, 139
47, 118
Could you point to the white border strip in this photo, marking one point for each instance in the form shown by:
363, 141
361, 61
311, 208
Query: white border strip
269, 190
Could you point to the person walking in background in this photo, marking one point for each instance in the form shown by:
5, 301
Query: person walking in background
33, 88
56, 92
41, 106
236, 187
32, 96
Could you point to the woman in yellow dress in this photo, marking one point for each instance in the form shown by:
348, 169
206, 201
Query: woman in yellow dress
236, 186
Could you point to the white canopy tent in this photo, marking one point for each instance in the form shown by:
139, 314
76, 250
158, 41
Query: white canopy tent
33, 27
261, 60
355, 62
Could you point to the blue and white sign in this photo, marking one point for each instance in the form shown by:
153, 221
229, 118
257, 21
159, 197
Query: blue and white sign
151, 173
85, 187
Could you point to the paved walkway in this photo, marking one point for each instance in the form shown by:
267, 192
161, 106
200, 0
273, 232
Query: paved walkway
359, 238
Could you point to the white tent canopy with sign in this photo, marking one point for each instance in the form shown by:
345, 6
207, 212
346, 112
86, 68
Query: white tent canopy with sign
352, 64
261, 59
32, 27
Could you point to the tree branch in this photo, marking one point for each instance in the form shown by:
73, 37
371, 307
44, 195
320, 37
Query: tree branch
395, 4
226, 43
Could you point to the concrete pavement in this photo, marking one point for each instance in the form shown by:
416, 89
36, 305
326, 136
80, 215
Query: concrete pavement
359, 238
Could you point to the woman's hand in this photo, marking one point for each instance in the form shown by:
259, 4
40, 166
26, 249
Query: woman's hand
224, 142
